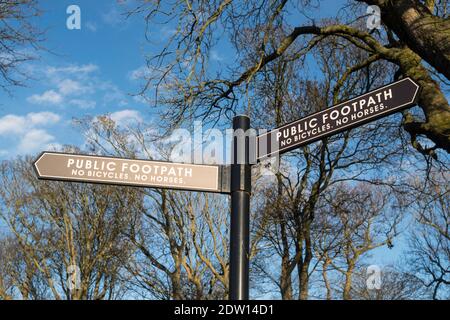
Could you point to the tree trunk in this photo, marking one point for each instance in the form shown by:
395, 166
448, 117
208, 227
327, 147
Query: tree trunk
286, 279
304, 280
423, 32
346, 294
304, 265
286, 265
325, 278
177, 292
431, 99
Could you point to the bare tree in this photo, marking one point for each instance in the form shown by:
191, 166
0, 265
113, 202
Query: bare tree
182, 249
293, 202
181, 239
395, 284
412, 30
20, 38
430, 241
68, 237
366, 219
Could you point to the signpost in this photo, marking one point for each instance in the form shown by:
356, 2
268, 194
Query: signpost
235, 179
241, 189
131, 172
368, 107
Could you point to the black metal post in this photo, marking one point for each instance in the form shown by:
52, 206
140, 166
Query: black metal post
240, 210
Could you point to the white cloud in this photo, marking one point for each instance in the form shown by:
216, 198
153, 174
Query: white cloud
43, 118
35, 140
83, 104
48, 97
68, 81
147, 72
125, 117
27, 133
73, 81
73, 69
114, 17
139, 73
112, 94
76, 86
151, 76
14, 124
69, 87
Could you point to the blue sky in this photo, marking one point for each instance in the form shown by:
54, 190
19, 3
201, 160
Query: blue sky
87, 72
84, 72
96, 70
